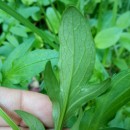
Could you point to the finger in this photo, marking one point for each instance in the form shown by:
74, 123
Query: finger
32, 102
7, 128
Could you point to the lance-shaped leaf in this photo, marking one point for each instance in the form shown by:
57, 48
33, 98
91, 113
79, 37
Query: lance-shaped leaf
51, 83
8, 120
108, 104
77, 56
32, 122
53, 89
77, 123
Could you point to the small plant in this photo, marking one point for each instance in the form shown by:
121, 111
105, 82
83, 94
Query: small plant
76, 64
78, 103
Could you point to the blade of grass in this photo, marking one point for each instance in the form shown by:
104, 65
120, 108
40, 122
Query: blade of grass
8, 120
27, 23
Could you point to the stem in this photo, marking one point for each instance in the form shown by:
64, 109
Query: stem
115, 9
27, 23
105, 57
128, 6
120, 51
102, 10
60, 122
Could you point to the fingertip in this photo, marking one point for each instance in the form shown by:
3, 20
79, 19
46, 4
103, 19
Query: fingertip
38, 105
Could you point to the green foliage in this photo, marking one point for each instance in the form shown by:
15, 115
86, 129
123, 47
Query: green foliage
8, 120
32, 122
19, 64
84, 92
122, 118
53, 19
24, 21
113, 128
74, 90
107, 37
123, 17
109, 103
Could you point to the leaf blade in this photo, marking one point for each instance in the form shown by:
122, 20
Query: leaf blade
22, 67
113, 128
8, 120
16, 53
111, 101
107, 37
77, 56
53, 90
32, 122
88, 93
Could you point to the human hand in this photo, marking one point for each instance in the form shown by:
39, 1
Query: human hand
32, 102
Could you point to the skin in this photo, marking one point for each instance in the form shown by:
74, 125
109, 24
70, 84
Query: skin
32, 102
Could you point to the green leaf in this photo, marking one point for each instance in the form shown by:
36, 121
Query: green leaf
77, 56
124, 20
70, 2
53, 90
51, 83
32, 122
107, 37
6, 49
100, 71
19, 30
17, 52
113, 128
77, 52
77, 123
105, 17
8, 120
53, 19
12, 40
122, 118
121, 63
29, 65
28, 11
125, 40
46, 2
84, 123
41, 2
88, 92
108, 104
28, 2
